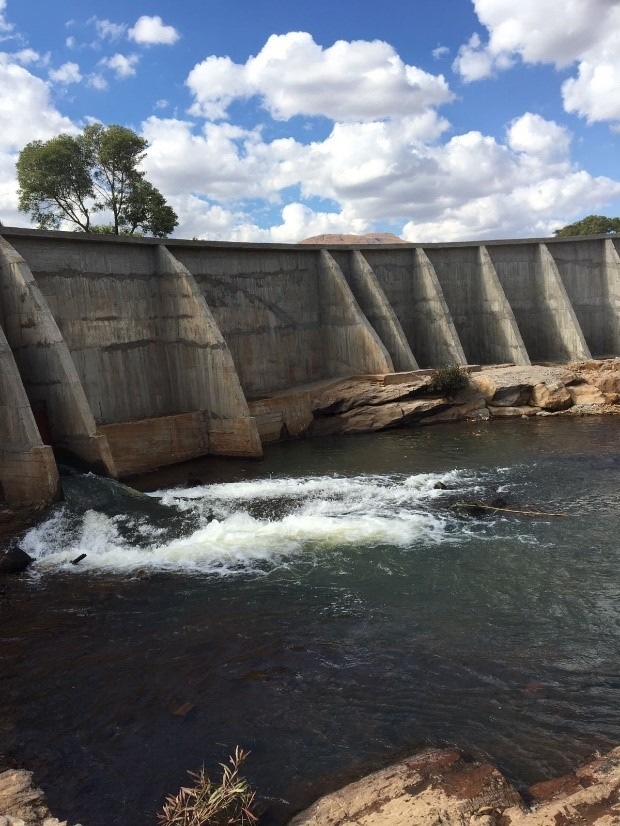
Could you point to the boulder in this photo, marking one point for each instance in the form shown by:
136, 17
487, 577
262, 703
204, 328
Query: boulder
551, 395
14, 561
585, 393
512, 386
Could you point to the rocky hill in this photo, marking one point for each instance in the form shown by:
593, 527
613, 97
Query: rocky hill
328, 239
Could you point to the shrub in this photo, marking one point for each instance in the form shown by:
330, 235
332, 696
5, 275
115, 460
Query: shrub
449, 380
227, 803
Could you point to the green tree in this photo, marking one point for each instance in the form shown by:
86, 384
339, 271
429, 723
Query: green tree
55, 182
70, 178
591, 225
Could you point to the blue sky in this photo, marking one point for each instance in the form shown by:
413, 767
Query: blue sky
275, 121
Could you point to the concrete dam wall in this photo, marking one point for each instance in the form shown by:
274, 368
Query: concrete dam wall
134, 353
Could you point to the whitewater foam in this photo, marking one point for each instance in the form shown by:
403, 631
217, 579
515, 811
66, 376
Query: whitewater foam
312, 515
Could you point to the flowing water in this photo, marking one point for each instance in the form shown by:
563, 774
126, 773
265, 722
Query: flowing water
326, 609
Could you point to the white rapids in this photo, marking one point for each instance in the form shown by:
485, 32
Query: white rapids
252, 525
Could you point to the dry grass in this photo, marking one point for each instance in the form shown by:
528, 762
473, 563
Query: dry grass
227, 803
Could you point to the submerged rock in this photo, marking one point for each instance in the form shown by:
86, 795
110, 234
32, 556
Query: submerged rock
14, 561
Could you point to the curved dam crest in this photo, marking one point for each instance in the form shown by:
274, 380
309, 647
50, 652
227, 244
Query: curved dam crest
133, 353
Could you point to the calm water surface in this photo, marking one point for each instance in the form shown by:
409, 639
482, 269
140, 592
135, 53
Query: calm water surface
327, 610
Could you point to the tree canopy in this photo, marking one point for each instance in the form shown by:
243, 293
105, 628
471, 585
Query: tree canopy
591, 225
73, 177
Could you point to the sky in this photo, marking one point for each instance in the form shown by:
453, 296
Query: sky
276, 120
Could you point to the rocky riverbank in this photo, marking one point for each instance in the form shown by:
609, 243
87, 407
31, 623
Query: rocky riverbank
438, 786
435, 786
370, 403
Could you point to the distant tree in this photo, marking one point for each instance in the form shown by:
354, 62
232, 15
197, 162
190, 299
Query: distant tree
591, 225
70, 178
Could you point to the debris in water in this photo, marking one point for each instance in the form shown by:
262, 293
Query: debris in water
78, 559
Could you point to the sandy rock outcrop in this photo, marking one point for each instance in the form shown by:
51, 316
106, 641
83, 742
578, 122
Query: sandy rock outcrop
438, 786
21, 803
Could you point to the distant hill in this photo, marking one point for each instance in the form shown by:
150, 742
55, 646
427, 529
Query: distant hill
338, 238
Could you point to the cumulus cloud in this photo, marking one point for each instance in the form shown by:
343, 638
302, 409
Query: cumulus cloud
440, 52
27, 114
66, 74
293, 75
149, 31
123, 66
559, 32
369, 173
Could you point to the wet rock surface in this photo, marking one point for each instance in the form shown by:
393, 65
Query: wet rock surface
439, 786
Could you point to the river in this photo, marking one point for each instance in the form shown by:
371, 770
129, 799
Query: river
327, 610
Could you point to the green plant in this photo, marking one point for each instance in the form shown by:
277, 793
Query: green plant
449, 380
227, 803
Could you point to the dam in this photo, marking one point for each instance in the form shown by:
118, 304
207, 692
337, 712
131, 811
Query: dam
133, 353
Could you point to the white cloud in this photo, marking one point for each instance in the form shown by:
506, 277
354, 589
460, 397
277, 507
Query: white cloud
97, 81
559, 32
293, 75
534, 135
5, 26
107, 30
371, 173
29, 56
123, 66
65, 74
149, 31
26, 107
440, 52
27, 114
71, 42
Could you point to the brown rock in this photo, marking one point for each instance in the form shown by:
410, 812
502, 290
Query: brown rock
440, 787
380, 417
586, 394
466, 404
512, 386
551, 396
607, 382
21, 804
354, 393
436, 786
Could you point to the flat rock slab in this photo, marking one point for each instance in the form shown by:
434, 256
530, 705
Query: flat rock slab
438, 786
354, 393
